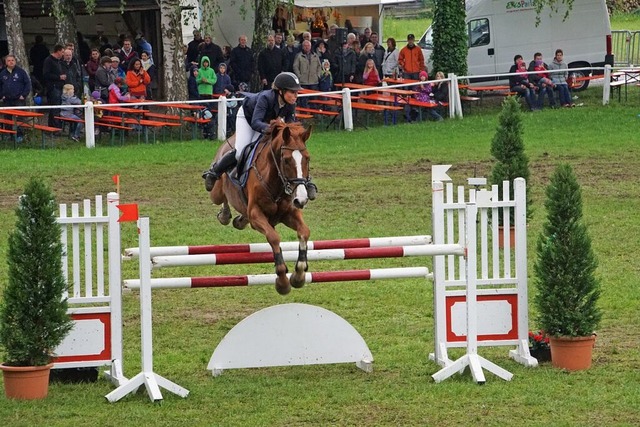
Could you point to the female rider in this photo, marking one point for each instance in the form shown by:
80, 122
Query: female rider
254, 118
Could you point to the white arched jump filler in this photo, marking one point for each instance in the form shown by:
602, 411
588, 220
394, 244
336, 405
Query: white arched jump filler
290, 334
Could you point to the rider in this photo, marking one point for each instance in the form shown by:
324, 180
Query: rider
254, 118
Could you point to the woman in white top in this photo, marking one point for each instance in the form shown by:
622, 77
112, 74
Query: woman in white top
390, 61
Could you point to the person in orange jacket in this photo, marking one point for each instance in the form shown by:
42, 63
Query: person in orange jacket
137, 79
411, 59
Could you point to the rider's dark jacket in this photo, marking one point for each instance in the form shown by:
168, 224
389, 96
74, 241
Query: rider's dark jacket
261, 108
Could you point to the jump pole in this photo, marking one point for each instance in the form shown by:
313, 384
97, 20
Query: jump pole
312, 255
373, 242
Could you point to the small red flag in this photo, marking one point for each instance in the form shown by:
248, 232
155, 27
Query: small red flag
129, 212
116, 179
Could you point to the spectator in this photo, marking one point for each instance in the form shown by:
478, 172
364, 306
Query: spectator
279, 40
425, 94
322, 52
290, 51
222, 79
69, 98
241, 63
150, 68
137, 80
365, 37
126, 55
560, 72
142, 45
73, 71
411, 59
15, 86
308, 69
370, 76
210, 50
440, 92
192, 49
37, 54
367, 53
116, 69
92, 67
271, 62
378, 51
519, 82
279, 22
325, 84
390, 61
104, 45
206, 79
332, 41
344, 65
54, 79
116, 94
541, 80
84, 51
104, 78
192, 83
226, 53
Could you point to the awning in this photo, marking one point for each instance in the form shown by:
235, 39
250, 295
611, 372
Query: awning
345, 3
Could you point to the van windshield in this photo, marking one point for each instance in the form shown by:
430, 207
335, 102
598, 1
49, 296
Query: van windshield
426, 41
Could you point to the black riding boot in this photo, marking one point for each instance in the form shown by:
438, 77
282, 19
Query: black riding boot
226, 163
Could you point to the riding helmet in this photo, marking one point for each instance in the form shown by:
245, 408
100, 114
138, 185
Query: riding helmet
287, 81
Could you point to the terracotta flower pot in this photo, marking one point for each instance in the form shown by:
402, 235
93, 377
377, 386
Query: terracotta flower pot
26, 382
572, 353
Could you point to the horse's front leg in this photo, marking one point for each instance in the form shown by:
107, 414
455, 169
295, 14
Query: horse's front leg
296, 222
260, 223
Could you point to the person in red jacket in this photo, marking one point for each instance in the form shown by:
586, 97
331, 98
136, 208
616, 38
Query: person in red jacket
137, 80
411, 59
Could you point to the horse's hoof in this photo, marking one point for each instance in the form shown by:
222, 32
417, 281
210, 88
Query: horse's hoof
224, 217
297, 281
240, 222
283, 289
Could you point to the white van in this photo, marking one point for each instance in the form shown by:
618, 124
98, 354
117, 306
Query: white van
500, 29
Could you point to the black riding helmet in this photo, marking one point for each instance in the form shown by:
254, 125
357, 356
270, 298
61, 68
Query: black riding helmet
287, 81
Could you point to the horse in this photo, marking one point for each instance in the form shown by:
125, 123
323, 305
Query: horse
275, 193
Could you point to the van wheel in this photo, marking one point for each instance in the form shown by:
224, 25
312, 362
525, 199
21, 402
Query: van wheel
579, 85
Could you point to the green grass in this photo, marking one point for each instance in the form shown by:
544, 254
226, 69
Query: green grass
372, 183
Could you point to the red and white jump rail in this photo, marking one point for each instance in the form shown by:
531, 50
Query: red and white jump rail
312, 255
269, 279
373, 242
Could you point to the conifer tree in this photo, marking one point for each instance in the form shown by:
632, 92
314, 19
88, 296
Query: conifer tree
33, 316
567, 287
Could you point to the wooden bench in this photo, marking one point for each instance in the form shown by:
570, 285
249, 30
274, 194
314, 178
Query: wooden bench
41, 128
163, 116
314, 111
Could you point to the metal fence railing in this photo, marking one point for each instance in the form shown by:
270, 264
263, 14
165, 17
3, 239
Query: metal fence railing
626, 47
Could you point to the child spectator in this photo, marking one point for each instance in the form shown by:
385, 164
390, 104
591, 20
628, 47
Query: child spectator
192, 83
370, 76
206, 79
69, 98
115, 92
222, 79
520, 83
325, 84
542, 80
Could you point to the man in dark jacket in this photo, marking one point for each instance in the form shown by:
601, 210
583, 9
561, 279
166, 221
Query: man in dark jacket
211, 50
271, 62
344, 65
54, 79
241, 63
15, 86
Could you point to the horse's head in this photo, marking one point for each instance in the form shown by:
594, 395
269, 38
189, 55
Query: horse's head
289, 145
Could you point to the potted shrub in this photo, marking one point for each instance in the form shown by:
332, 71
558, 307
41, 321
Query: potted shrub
33, 314
568, 290
511, 162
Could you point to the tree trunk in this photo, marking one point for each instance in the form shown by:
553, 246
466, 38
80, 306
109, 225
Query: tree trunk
64, 16
15, 35
175, 81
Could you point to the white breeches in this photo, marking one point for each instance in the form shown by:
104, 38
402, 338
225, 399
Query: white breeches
244, 133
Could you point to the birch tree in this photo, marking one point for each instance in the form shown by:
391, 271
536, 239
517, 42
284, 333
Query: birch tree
64, 17
175, 81
15, 35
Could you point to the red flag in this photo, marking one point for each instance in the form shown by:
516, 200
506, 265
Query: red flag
116, 179
129, 212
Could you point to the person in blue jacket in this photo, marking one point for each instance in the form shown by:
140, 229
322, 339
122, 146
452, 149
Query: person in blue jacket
254, 119
15, 86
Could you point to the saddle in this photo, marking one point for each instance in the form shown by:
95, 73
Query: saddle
239, 174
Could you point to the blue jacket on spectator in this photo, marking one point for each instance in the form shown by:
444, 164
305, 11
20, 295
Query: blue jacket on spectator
14, 83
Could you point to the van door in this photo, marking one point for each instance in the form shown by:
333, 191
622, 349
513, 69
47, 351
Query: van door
481, 58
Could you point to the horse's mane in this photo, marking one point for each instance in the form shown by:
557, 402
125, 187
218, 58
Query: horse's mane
277, 127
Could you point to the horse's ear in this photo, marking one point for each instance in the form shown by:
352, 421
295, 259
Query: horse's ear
274, 129
286, 133
307, 133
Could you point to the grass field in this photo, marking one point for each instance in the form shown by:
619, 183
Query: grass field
372, 183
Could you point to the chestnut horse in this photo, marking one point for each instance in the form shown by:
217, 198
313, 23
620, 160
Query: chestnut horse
275, 192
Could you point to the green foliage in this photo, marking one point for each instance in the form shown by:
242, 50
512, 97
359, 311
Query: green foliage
449, 38
565, 267
507, 147
33, 317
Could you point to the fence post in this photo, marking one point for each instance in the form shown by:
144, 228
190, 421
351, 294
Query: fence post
347, 113
606, 88
89, 129
222, 118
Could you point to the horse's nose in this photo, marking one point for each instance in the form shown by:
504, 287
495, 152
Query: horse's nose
300, 198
